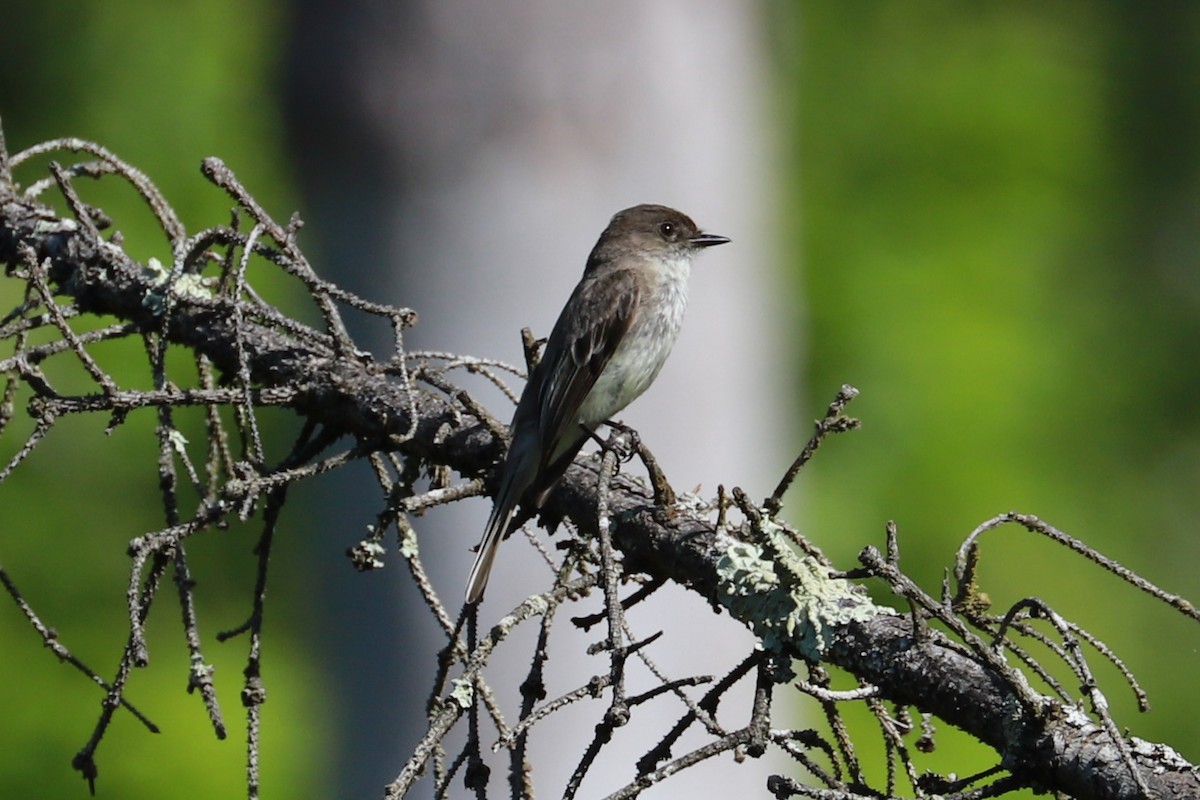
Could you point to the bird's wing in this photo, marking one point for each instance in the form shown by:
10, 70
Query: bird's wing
592, 325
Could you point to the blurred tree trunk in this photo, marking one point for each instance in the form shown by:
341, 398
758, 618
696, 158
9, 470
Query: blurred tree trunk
461, 158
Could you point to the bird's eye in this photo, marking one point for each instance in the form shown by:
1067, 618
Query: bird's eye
667, 229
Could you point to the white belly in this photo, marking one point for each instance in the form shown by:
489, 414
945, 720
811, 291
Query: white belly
639, 356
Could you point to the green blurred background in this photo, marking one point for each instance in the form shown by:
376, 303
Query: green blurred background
996, 210
999, 218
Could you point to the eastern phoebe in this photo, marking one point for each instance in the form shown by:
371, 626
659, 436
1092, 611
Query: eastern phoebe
607, 347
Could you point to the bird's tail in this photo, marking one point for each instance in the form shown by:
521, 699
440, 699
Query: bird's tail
492, 537
520, 471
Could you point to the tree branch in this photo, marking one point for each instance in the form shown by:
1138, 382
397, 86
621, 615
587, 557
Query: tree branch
1044, 742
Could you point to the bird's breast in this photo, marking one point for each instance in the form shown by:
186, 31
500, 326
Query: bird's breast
642, 351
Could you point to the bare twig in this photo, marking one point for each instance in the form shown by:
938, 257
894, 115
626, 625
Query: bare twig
430, 443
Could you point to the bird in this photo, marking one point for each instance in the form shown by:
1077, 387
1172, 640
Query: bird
610, 342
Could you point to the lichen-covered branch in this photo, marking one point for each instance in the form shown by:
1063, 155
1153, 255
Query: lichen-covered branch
407, 417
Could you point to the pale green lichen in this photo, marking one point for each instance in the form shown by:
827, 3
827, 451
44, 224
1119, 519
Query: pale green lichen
199, 671
178, 441
372, 553
45, 227
790, 601
461, 693
158, 273
409, 547
185, 286
195, 287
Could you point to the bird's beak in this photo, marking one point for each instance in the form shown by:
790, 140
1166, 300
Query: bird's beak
707, 240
